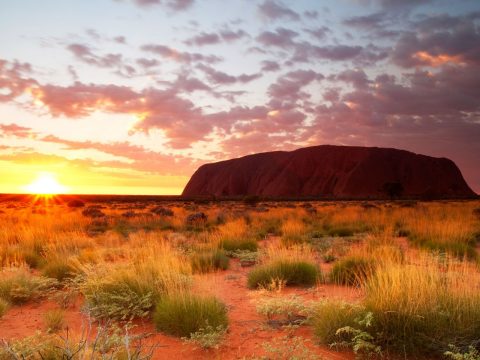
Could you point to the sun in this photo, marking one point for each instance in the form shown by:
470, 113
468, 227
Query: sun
46, 184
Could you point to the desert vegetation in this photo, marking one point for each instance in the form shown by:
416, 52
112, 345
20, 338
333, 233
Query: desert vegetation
394, 279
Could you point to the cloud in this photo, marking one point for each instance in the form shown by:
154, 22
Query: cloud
85, 54
319, 33
288, 87
270, 65
13, 79
273, 10
189, 84
221, 78
303, 51
16, 130
213, 38
178, 56
281, 37
442, 40
142, 158
176, 5
358, 78
147, 63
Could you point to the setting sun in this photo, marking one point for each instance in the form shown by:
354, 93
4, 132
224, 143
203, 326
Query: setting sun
46, 184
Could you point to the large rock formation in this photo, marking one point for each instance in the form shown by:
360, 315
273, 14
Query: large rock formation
331, 172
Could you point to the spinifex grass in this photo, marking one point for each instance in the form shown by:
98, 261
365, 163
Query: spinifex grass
293, 266
426, 306
182, 314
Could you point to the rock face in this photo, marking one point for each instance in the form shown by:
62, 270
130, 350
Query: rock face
332, 172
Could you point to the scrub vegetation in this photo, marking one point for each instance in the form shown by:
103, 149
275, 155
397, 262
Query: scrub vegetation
391, 279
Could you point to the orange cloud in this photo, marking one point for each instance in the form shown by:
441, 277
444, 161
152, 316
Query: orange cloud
437, 60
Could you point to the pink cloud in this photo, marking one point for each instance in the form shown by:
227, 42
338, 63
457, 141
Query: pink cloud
274, 10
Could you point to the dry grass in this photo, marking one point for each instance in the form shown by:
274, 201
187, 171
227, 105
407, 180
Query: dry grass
125, 266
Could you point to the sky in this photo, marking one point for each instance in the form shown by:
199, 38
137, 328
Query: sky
132, 96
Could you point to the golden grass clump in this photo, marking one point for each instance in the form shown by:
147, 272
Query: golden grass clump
234, 236
288, 265
451, 228
293, 231
426, 306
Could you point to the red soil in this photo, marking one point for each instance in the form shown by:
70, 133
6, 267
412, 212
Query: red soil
247, 329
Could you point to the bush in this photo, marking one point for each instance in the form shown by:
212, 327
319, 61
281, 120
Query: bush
21, 288
117, 298
208, 260
185, 314
58, 269
292, 273
423, 308
331, 315
244, 244
208, 337
352, 270
105, 342
93, 212
198, 219
162, 211
457, 354
33, 259
284, 310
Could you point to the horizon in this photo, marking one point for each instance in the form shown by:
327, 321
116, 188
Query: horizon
134, 102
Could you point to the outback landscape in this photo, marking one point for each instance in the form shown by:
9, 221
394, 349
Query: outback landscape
239, 179
239, 279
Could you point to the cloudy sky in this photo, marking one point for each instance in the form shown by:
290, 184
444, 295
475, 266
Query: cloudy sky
131, 96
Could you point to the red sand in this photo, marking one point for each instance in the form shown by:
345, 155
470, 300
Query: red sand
247, 329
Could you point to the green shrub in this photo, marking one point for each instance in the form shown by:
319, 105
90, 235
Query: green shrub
457, 354
331, 315
208, 337
284, 310
292, 273
239, 244
104, 342
352, 270
58, 269
33, 259
185, 314
120, 299
423, 308
209, 260
21, 288
360, 340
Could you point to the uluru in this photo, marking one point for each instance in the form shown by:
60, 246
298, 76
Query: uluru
349, 172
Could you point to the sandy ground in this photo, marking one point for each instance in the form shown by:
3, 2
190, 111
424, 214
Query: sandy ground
247, 329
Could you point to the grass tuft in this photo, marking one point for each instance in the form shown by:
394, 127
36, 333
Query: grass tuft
204, 261
184, 314
292, 273
54, 320
352, 270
